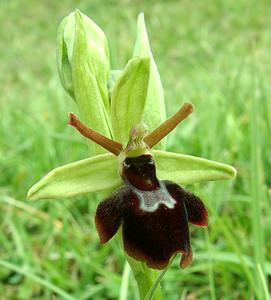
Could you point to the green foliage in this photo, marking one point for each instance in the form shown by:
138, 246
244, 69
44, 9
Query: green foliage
214, 54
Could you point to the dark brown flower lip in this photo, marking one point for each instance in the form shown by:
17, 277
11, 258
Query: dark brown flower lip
153, 237
196, 211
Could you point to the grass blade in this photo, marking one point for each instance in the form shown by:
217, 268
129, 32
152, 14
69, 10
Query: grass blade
25, 271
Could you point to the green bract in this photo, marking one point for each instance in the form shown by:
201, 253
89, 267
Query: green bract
111, 102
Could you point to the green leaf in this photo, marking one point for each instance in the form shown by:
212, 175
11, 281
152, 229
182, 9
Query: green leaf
154, 110
89, 175
186, 169
129, 97
87, 81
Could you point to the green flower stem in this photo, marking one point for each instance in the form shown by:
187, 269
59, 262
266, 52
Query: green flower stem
156, 284
145, 277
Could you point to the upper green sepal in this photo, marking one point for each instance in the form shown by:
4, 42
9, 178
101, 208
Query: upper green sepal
186, 169
114, 76
89, 175
154, 112
129, 97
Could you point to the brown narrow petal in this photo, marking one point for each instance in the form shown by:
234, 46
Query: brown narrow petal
109, 214
108, 144
154, 237
165, 128
196, 211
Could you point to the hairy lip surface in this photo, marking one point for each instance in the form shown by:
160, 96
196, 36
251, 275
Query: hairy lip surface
154, 215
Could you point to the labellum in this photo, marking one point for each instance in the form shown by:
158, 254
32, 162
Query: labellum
153, 213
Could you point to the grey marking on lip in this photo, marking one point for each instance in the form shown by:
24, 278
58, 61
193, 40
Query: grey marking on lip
151, 200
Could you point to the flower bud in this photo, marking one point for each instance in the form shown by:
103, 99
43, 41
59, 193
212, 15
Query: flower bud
83, 64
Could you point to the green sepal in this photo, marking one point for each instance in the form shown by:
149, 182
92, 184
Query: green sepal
100, 173
154, 110
114, 76
185, 169
94, 174
129, 97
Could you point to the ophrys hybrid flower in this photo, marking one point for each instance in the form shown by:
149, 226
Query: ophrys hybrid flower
148, 201
153, 213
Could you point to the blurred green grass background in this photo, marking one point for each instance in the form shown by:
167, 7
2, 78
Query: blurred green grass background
215, 54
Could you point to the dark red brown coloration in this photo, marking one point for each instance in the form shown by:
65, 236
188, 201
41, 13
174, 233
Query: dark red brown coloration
154, 237
154, 215
196, 211
110, 145
166, 127
140, 172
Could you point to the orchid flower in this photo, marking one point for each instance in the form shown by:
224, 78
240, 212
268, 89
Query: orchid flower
123, 112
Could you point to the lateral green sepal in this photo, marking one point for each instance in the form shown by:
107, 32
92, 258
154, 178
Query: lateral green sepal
185, 169
94, 174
